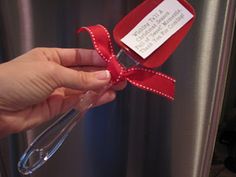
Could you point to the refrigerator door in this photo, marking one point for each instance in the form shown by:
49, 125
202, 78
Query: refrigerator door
139, 134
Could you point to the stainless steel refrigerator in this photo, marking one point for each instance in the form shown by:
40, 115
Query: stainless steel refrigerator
139, 134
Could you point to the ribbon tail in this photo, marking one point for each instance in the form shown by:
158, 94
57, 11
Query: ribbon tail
152, 81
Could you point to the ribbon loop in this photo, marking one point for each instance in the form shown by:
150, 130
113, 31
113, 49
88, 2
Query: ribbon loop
116, 70
144, 78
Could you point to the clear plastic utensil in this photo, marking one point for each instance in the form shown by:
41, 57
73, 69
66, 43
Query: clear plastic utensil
50, 140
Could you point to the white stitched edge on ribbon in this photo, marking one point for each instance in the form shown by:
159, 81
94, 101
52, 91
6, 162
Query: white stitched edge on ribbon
109, 38
150, 89
118, 79
100, 53
95, 44
154, 72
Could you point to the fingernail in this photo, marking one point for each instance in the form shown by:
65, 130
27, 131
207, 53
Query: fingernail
103, 75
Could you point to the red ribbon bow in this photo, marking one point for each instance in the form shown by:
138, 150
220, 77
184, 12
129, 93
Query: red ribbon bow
144, 78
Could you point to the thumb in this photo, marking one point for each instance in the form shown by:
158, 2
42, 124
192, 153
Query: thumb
81, 80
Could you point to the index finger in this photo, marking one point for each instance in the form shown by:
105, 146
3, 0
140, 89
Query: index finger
75, 57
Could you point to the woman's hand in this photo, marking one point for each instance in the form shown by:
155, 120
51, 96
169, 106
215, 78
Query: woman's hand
46, 82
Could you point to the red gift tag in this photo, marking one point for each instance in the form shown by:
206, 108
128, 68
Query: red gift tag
154, 29
149, 34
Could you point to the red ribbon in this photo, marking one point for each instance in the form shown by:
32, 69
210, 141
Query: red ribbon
144, 78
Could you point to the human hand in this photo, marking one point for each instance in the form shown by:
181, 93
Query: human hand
46, 82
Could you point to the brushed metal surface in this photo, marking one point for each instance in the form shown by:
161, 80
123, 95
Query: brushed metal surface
140, 134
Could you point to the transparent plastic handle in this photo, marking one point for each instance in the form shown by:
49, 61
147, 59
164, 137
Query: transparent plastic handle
50, 140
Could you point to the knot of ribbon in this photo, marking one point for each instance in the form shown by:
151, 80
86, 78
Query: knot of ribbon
142, 77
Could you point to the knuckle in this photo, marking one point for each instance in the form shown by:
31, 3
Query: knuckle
53, 73
83, 80
51, 67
